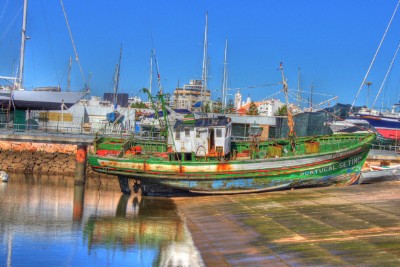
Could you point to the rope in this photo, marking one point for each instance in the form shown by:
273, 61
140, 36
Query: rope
9, 25
386, 75
73, 43
373, 59
3, 11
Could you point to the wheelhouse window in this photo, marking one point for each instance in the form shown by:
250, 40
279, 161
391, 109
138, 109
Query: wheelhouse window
187, 132
178, 135
197, 133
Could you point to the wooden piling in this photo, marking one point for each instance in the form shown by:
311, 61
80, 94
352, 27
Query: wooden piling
80, 170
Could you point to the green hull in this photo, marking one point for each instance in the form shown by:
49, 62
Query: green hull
338, 160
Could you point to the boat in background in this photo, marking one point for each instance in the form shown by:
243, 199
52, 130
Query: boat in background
393, 168
200, 155
14, 96
386, 123
350, 126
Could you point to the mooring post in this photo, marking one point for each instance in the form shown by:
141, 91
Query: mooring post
80, 170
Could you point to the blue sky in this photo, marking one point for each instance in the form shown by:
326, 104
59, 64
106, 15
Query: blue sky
332, 41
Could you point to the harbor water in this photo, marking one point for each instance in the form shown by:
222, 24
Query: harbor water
49, 221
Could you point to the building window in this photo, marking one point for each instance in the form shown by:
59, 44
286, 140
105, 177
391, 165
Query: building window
218, 133
178, 135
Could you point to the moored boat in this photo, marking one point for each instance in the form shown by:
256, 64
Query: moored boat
201, 156
13, 93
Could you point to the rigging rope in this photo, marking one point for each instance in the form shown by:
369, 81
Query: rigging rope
376, 53
73, 43
9, 25
386, 75
3, 11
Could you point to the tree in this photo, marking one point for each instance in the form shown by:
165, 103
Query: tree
230, 107
217, 107
207, 108
282, 111
138, 105
252, 109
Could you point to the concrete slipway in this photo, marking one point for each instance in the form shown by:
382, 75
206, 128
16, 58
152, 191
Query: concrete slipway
331, 226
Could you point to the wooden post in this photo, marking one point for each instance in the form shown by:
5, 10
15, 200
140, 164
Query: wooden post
79, 195
80, 170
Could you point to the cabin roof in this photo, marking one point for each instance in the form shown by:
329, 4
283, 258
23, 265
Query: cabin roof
220, 121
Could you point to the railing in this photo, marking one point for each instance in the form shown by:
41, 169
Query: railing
389, 150
64, 129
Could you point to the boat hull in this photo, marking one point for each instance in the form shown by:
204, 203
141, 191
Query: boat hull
388, 127
40, 100
243, 176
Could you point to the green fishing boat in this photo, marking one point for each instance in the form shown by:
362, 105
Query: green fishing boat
201, 155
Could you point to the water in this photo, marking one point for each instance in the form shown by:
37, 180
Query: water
48, 221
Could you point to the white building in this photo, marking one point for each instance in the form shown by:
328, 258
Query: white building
191, 94
238, 100
269, 107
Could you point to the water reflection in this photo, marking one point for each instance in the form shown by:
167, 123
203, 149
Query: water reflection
58, 223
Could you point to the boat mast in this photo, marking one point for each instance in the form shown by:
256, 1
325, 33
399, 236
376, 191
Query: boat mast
116, 78
22, 52
225, 82
151, 72
205, 61
298, 88
160, 89
292, 134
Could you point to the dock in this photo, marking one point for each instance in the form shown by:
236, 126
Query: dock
331, 226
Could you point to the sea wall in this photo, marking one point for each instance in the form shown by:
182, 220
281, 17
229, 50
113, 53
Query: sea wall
39, 158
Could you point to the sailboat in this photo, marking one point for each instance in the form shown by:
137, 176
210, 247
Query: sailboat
42, 98
385, 122
202, 156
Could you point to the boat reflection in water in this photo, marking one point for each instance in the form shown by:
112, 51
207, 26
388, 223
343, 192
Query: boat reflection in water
57, 223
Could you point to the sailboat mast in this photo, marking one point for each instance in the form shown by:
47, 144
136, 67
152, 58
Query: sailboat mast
23, 39
225, 82
205, 61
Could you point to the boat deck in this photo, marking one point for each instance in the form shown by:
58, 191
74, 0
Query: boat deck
331, 226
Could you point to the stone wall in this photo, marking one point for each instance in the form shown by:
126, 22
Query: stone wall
39, 158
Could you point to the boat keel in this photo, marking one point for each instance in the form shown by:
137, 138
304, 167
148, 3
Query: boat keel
124, 185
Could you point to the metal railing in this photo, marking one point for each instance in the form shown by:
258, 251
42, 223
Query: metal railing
65, 129
389, 150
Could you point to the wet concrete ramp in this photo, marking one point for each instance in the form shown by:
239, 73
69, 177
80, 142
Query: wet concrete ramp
332, 226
